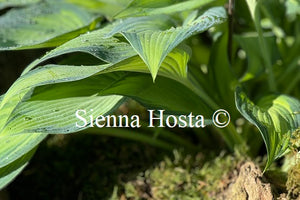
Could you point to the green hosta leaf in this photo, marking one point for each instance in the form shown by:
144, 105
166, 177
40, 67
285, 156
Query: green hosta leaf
151, 3
110, 50
250, 43
108, 8
252, 8
276, 117
174, 66
143, 8
45, 24
20, 92
15, 146
30, 124
152, 41
219, 71
138, 86
24, 124
9, 172
11, 176
46, 75
172, 93
13, 3
15, 152
56, 116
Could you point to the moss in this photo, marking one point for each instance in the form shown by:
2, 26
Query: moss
184, 177
292, 165
295, 139
293, 182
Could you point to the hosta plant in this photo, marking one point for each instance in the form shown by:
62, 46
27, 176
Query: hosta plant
177, 56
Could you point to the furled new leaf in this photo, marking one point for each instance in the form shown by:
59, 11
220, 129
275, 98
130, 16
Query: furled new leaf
276, 117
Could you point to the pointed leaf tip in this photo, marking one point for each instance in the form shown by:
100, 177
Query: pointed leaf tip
154, 37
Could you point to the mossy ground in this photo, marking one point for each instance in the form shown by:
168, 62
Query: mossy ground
187, 177
90, 167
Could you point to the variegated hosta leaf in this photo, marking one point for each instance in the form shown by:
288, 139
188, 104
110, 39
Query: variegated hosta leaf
14, 111
6, 179
110, 50
157, 7
174, 66
276, 117
56, 116
24, 124
44, 24
17, 116
153, 42
135, 86
10, 171
50, 74
41, 101
43, 117
14, 146
13, 3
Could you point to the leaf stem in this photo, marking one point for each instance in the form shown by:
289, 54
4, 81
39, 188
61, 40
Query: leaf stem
293, 84
191, 83
230, 29
266, 54
230, 136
